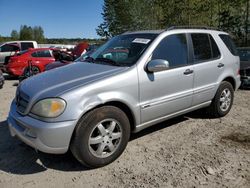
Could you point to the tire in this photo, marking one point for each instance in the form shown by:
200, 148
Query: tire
221, 105
94, 146
35, 70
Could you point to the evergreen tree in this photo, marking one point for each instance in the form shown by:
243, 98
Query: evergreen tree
14, 35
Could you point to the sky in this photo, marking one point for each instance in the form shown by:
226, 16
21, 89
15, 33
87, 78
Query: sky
58, 18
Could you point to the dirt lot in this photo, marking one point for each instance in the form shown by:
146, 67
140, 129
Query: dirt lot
188, 151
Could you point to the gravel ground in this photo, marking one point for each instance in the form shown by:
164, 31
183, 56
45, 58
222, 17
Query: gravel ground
188, 151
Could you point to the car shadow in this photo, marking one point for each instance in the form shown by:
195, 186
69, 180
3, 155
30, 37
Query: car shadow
18, 158
9, 77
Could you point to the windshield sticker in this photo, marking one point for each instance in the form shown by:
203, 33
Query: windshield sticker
141, 40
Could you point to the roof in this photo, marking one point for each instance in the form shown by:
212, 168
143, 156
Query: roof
39, 49
175, 28
145, 32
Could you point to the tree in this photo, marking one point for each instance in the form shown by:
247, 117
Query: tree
124, 15
38, 34
26, 33
14, 35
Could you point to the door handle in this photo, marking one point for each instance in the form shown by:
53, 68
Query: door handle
220, 65
188, 71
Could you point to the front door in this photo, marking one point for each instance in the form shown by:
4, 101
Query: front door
166, 92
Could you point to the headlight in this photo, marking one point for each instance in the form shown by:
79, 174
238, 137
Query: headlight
49, 107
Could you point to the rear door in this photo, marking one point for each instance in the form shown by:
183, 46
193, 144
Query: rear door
208, 66
42, 58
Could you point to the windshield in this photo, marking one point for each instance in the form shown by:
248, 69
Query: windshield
21, 52
123, 50
244, 54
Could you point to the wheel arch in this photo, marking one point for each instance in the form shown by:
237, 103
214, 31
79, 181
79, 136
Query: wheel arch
231, 80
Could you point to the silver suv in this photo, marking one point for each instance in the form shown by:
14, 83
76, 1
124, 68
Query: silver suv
133, 81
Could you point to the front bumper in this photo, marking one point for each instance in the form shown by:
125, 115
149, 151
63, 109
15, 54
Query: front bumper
44, 136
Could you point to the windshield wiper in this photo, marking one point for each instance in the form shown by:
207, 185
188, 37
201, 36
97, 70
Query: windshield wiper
107, 60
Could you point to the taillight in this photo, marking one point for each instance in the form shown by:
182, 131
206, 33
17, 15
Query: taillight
238, 72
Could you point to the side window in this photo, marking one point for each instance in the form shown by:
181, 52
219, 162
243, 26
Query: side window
9, 48
34, 54
215, 49
45, 53
201, 46
173, 49
26, 45
229, 43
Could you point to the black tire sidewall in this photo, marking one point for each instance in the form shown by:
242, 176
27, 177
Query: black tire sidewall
224, 85
85, 127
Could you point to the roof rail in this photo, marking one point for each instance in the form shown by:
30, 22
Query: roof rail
191, 27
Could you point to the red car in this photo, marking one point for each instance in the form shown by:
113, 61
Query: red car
39, 58
80, 49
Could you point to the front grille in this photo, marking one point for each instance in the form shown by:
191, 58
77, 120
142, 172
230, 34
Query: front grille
22, 101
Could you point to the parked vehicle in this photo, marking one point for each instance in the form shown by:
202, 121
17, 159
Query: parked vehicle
80, 49
244, 54
91, 108
10, 48
39, 57
66, 60
1, 79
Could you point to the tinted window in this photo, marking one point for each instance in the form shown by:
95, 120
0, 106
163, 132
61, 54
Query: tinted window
173, 49
9, 48
201, 46
229, 43
244, 54
215, 49
26, 45
45, 53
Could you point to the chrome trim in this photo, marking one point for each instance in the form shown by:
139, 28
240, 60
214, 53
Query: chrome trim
158, 120
167, 99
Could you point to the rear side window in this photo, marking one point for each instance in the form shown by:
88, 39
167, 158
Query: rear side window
173, 48
45, 53
26, 45
229, 43
215, 49
205, 47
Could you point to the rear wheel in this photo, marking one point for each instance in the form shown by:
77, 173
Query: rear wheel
34, 70
101, 136
222, 101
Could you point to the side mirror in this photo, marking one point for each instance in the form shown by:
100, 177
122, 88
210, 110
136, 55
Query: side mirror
157, 65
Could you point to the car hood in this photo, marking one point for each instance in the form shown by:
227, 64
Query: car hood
57, 81
56, 64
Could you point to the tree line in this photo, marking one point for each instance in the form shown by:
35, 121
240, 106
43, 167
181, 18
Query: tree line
129, 15
36, 33
28, 33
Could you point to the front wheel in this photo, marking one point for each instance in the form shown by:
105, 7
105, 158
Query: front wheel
100, 136
222, 101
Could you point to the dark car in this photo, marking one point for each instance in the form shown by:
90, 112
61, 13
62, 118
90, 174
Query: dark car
64, 60
1, 80
244, 54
